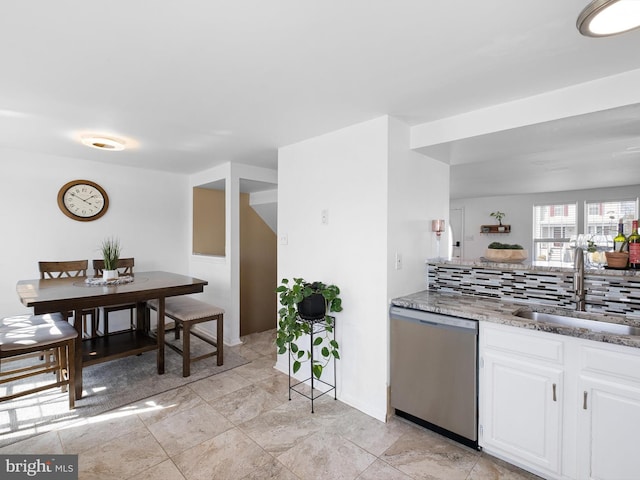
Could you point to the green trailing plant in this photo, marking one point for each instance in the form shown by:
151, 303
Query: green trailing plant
111, 253
498, 216
505, 246
291, 327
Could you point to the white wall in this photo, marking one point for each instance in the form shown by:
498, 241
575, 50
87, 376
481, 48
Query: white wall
519, 214
348, 173
148, 212
418, 193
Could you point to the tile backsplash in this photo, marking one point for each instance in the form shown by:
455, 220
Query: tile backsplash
605, 293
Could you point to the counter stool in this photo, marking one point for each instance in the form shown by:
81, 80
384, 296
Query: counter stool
23, 335
186, 312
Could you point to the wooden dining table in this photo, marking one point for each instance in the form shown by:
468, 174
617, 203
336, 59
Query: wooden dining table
75, 294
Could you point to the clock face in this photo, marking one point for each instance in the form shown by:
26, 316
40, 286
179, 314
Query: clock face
83, 200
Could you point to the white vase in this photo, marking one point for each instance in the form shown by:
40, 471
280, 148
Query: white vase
109, 275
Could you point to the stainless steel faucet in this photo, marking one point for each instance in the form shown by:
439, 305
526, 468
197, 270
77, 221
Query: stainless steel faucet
578, 279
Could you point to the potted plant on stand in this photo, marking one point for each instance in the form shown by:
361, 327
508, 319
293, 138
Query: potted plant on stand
303, 305
111, 255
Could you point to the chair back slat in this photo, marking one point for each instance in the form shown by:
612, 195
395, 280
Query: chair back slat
73, 268
125, 266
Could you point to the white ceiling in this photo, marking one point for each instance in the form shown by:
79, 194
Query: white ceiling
199, 83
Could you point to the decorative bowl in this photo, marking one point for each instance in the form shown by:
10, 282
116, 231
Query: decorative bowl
504, 255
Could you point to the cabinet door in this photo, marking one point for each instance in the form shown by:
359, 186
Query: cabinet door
608, 428
521, 411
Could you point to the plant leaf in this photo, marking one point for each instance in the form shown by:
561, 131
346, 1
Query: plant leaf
317, 371
317, 341
296, 366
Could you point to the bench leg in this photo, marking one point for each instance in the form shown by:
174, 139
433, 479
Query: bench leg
186, 348
219, 339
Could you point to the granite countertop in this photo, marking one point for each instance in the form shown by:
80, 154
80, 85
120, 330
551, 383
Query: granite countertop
495, 310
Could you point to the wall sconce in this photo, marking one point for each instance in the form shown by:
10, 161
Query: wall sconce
437, 226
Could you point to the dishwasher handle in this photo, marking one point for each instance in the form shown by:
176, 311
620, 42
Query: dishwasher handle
432, 319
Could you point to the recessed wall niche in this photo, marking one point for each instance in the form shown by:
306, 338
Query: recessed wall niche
208, 221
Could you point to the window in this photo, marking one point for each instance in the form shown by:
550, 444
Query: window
602, 217
553, 227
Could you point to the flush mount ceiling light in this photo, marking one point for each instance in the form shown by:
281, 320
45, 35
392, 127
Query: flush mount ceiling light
103, 142
602, 18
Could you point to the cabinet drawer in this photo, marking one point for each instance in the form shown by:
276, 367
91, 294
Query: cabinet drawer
525, 343
611, 360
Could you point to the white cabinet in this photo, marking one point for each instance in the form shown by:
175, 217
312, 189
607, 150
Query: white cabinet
609, 413
561, 407
521, 381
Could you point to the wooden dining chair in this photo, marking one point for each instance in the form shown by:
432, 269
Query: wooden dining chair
72, 268
24, 337
125, 267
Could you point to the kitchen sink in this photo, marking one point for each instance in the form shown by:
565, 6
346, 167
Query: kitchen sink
592, 325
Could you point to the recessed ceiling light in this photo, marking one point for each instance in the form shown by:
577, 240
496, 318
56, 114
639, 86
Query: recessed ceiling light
103, 142
602, 18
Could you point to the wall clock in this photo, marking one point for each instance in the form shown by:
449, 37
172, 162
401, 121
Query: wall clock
83, 200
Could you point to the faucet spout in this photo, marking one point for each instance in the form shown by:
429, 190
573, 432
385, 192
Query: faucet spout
578, 279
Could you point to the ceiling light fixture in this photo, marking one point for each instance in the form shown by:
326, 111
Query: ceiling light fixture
602, 18
103, 142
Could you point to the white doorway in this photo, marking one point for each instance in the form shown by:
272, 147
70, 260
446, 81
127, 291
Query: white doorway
456, 233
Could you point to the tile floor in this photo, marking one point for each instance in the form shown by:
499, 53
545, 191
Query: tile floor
240, 425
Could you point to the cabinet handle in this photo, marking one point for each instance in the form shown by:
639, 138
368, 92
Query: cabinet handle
584, 401
555, 399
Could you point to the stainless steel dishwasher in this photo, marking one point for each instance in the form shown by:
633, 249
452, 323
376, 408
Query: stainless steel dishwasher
434, 371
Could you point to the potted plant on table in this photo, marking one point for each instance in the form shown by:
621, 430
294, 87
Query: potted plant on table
111, 255
303, 305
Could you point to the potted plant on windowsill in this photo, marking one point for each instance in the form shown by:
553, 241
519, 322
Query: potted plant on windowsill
111, 255
620, 259
303, 304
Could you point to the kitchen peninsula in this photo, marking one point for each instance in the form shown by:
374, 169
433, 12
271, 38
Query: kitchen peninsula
560, 400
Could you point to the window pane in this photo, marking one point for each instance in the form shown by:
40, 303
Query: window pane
553, 227
554, 221
602, 217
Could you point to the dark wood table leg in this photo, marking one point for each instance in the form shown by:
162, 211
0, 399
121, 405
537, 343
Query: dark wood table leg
142, 318
77, 324
161, 335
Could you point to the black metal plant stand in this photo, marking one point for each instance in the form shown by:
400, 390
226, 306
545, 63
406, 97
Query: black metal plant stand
316, 327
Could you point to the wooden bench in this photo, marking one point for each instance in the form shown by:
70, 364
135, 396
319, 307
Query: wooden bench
187, 312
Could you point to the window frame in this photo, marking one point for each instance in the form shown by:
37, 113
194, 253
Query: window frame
562, 242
